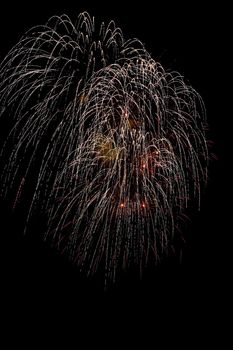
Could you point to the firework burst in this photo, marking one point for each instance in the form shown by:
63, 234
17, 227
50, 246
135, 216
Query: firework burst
111, 146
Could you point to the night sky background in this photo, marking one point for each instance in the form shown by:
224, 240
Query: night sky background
42, 291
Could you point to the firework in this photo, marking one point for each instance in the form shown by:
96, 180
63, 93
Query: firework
101, 140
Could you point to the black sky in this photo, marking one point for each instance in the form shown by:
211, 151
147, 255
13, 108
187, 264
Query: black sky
187, 38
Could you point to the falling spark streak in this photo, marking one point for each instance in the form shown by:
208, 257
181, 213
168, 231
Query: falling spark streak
111, 145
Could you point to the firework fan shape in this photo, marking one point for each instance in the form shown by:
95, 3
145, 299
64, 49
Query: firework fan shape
101, 140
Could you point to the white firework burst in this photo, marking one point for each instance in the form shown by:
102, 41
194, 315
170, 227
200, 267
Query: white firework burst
111, 146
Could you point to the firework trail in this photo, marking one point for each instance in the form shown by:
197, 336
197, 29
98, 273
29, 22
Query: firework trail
102, 140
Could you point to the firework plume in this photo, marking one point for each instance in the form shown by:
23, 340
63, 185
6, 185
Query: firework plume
101, 140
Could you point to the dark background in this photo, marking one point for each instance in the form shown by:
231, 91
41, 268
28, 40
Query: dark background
189, 295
